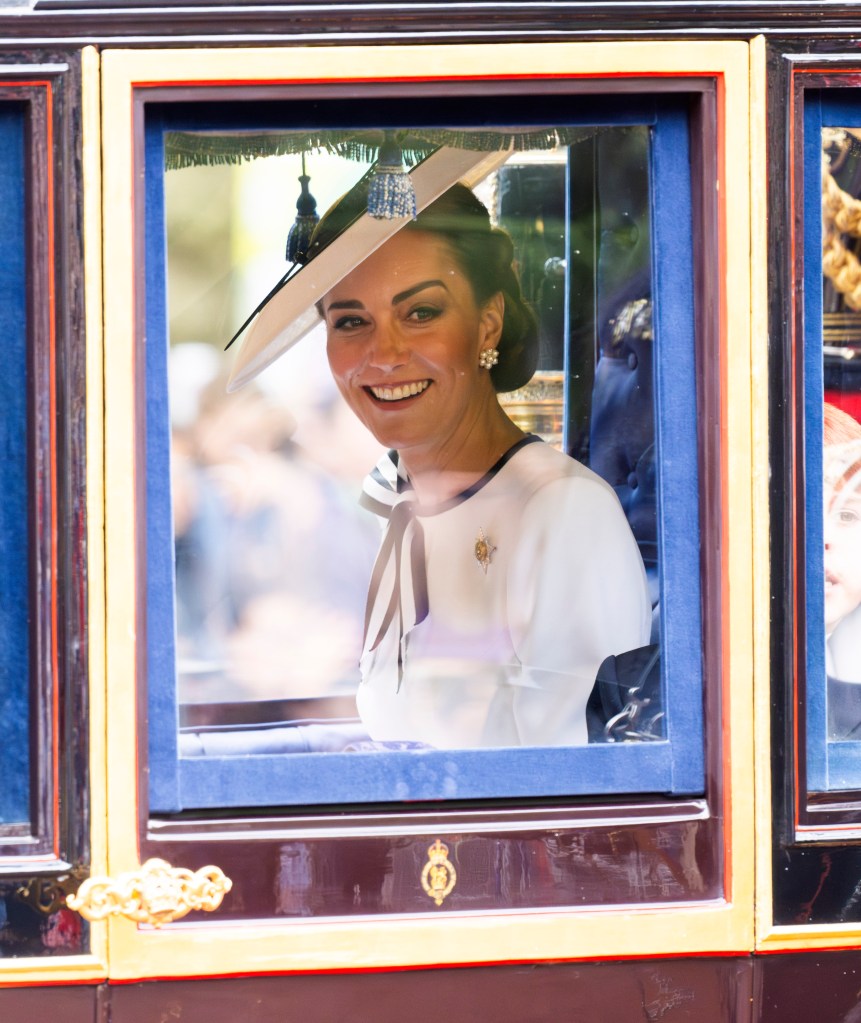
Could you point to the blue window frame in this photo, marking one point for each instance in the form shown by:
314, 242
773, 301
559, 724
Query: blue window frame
672, 765
832, 763
14, 518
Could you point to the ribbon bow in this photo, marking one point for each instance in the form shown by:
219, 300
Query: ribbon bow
400, 542
387, 492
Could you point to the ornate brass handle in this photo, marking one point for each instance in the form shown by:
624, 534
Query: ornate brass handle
156, 893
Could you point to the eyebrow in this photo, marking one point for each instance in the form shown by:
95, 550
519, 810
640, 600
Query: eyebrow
402, 296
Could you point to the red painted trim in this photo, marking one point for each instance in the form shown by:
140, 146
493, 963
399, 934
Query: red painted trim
406, 79
52, 469
726, 639
425, 967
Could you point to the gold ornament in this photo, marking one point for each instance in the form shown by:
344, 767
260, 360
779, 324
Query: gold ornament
48, 894
156, 894
483, 550
439, 876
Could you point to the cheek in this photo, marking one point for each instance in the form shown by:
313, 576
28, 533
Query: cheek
852, 553
845, 555
342, 362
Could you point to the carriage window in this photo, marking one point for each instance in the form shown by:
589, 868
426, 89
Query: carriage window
528, 629
832, 388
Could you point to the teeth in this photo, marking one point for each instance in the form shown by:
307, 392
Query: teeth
400, 392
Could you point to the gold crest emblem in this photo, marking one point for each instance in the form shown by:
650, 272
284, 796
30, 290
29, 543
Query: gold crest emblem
439, 876
483, 550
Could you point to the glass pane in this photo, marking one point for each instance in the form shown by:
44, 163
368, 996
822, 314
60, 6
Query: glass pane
273, 553
841, 467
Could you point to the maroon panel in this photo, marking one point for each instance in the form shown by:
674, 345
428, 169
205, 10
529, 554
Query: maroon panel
793, 988
814, 987
63, 1004
672, 991
360, 874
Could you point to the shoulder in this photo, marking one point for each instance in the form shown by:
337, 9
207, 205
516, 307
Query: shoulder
546, 475
844, 646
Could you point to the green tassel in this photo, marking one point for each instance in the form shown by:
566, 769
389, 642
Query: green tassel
307, 218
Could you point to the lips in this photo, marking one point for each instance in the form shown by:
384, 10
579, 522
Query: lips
400, 391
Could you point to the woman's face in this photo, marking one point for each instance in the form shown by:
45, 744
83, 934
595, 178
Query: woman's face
404, 335
842, 554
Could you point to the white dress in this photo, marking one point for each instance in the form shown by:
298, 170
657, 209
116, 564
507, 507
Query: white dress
843, 649
460, 653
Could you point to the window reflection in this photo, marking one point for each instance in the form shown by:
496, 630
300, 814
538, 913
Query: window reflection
842, 429
273, 554
272, 551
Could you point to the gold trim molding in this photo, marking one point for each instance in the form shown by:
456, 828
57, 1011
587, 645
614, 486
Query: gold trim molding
155, 894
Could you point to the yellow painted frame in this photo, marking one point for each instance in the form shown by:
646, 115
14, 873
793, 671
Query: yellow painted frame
337, 944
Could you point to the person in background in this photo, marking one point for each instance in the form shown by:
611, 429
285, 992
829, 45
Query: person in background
842, 542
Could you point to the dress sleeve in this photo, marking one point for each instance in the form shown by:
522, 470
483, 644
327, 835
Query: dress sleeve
577, 593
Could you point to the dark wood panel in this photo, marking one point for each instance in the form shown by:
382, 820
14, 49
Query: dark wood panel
68, 1004
813, 884
705, 991
214, 23
791, 988
50, 84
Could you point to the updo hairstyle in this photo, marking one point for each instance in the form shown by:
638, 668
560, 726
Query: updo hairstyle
484, 253
486, 256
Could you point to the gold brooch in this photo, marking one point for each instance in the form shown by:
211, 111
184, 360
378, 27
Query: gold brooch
439, 876
483, 550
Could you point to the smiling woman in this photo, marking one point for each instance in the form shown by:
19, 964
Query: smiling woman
507, 572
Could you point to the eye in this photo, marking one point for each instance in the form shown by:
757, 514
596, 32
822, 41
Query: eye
847, 517
424, 312
348, 322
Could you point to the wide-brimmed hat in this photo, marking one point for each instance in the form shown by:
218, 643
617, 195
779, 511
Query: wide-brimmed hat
289, 311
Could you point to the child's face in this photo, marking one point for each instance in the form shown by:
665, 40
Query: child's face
842, 552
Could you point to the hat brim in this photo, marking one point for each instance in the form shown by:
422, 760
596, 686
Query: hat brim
291, 312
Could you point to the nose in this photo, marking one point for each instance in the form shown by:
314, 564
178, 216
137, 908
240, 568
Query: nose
387, 350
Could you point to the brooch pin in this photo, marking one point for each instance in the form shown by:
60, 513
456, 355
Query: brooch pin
483, 550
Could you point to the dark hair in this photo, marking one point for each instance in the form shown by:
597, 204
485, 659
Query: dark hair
486, 256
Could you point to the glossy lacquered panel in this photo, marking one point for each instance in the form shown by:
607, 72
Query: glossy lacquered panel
655, 862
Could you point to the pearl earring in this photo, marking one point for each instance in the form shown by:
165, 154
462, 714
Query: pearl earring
488, 358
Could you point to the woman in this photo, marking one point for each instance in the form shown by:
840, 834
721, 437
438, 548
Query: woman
842, 538
507, 571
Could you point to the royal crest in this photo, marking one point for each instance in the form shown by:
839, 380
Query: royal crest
439, 876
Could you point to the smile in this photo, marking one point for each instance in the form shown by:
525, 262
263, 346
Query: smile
400, 392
